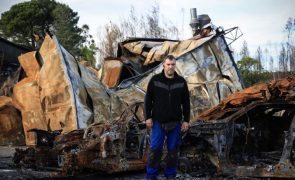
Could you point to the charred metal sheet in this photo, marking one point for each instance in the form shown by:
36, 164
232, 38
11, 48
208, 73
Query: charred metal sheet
26, 94
106, 105
62, 96
30, 64
112, 72
11, 130
250, 133
98, 93
206, 64
265, 92
159, 52
45, 138
104, 147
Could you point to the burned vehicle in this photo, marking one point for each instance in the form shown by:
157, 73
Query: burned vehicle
102, 147
250, 133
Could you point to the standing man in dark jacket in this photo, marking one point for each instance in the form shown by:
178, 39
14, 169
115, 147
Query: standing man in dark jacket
167, 113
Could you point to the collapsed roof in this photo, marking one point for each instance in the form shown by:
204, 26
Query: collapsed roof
60, 93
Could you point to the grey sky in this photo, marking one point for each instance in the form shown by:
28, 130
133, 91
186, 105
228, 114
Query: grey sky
261, 21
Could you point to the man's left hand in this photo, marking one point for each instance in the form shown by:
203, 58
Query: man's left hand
184, 126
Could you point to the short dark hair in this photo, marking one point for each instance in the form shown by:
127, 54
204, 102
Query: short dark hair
170, 57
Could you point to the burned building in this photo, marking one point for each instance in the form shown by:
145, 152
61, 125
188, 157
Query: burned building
75, 120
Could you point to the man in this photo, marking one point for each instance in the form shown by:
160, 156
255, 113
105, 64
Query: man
167, 113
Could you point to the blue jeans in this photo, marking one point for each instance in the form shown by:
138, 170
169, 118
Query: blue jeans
157, 139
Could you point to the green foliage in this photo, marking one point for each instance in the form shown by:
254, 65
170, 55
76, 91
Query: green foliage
88, 49
248, 63
252, 77
87, 53
250, 72
25, 19
68, 33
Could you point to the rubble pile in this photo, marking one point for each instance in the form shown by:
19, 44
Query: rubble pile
250, 133
88, 122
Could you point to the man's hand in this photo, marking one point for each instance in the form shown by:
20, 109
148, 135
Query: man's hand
149, 123
184, 126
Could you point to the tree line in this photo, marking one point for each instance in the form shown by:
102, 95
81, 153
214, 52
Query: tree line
25, 21
252, 68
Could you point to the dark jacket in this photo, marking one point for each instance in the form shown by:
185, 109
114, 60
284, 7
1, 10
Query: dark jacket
167, 99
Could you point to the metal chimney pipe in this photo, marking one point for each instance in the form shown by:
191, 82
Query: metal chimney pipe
194, 21
193, 13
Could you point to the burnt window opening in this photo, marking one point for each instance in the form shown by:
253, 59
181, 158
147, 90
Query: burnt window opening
127, 72
260, 134
150, 66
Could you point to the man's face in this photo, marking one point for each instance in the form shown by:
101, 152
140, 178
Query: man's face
169, 67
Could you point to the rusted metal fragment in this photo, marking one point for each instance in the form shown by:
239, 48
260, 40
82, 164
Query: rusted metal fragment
131, 95
261, 93
250, 133
186, 46
111, 72
11, 130
98, 93
96, 71
26, 94
30, 64
157, 53
135, 47
284, 87
62, 96
4, 100
106, 106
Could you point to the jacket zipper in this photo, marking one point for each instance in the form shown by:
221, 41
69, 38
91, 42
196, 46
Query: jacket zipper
169, 93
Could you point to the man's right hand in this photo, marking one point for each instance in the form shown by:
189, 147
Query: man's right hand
149, 123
